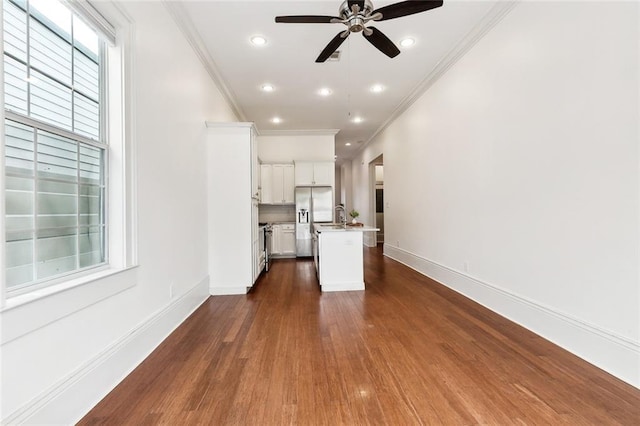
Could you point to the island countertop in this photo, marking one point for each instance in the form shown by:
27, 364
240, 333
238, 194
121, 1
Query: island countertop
337, 227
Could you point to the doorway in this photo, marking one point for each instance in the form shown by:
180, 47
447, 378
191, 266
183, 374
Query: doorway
376, 168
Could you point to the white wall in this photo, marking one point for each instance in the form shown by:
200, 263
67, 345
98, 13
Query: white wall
514, 179
54, 374
296, 146
346, 186
337, 194
362, 194
379, 175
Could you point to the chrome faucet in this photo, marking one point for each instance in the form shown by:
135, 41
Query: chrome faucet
343, 217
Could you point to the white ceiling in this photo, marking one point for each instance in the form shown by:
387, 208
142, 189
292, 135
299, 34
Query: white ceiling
223, 30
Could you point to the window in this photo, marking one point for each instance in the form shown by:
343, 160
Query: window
55, 145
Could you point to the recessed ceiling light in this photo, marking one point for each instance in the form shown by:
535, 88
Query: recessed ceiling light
267, 88
347, 144
276, 120
377, 88
258, 40
407, 42
324, 91
357, 120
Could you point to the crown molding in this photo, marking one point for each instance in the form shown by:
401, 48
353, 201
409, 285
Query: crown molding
182, 20
239, 124
490, 20
312, 132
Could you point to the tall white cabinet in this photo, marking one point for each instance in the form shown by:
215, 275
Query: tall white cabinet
232, 200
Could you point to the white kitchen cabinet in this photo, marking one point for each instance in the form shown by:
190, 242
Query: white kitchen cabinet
314, 174
234, 244
288, 240
266, 184
286, 176
323, 173
304, 174
276, 236
276, 179
277, 183
283, 240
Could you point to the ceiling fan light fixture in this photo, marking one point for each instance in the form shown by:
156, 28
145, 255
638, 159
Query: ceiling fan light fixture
324, 91
267, 88
377, 88
407, 42
257, 40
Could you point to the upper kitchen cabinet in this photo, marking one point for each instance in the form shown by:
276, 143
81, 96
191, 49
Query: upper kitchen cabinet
284, 185
277, 183
266, 184
314, 174
232, 199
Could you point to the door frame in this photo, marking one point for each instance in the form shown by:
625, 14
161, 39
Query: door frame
371, 239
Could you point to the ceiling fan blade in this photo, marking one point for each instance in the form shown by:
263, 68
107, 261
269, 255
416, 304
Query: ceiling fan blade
405, 8
381, 42
307, 19
332, 46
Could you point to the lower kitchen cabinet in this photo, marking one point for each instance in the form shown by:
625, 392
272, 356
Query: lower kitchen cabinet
283, 240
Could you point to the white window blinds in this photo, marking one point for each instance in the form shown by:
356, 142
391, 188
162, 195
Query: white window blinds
55, 151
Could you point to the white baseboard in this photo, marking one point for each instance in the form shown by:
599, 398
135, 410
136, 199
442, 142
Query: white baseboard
348, 286
227, 291
617, 355
72, 397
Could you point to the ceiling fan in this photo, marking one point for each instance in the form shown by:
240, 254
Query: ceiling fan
355, 14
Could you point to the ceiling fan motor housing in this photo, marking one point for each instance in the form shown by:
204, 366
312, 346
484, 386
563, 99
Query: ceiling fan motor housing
355, 21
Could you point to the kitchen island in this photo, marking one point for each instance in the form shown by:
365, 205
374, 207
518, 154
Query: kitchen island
338, 256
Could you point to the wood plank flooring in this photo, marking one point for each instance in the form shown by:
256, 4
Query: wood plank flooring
405, 351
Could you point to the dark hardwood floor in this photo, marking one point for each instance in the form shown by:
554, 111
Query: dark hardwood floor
405, 351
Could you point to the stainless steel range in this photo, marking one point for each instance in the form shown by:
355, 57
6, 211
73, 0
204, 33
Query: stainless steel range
266, 231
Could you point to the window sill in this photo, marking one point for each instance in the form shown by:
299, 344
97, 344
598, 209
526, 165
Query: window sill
27, 312
61, 285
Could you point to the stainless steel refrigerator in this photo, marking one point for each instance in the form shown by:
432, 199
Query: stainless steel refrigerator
313, 205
